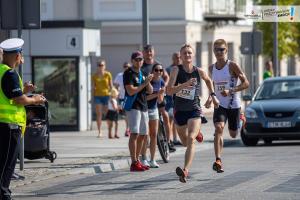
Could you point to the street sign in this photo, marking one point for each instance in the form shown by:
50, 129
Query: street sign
30, 11
251, 42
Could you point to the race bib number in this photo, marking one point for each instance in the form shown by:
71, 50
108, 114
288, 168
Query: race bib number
186, 94
221, 86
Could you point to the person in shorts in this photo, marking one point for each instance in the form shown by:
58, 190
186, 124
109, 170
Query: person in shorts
225, 74
102, 85
185, 85
152, 100
113, 114
137, 84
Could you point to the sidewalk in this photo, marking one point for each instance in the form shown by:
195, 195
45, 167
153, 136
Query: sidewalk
83, 152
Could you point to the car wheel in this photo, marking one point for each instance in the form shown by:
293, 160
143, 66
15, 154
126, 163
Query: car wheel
268, 141
248, 141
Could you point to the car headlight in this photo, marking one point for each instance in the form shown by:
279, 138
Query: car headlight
250, 113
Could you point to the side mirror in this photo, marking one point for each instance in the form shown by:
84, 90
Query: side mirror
247, 97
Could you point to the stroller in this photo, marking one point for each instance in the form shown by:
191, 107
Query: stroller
36, 139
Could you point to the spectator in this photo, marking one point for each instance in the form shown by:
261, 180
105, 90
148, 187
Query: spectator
268, 70
137, 84
176, 60
118, 82
102, 85
112, 113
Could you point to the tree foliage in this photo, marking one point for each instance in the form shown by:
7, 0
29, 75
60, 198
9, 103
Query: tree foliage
288, 33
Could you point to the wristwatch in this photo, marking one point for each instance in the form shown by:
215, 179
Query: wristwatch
213, 94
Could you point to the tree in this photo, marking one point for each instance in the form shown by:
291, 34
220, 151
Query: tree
288, 33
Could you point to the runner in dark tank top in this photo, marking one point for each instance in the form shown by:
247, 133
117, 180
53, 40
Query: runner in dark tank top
184, 84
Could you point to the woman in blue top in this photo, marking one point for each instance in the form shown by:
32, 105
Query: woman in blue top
156, 97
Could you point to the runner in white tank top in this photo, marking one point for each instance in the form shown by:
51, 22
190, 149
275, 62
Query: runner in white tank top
225, 75
223, 80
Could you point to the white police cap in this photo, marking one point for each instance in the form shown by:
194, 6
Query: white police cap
13, 45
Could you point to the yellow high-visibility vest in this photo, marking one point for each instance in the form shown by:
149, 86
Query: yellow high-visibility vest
10, 112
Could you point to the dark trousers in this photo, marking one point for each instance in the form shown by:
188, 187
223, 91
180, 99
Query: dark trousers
9, 149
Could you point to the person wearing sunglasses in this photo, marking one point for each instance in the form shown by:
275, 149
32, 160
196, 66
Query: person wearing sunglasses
225, 74
137, 86
185, 85
153, 99
149, 61
102, 85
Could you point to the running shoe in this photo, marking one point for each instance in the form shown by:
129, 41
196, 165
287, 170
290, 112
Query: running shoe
182, 173
217, 166
136, 167
153, 164
144, 166
199, 137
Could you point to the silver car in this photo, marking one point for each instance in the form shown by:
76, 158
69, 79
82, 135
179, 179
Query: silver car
274, 111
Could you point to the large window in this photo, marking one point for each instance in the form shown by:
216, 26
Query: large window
57, 78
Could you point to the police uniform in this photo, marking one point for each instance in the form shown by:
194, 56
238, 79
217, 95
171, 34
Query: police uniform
12, 117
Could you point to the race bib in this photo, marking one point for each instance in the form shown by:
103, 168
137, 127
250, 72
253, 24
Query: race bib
186, 94
221, 86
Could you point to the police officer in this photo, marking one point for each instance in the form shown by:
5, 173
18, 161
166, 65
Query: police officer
12, 111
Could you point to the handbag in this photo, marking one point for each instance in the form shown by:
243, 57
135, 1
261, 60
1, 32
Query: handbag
129, 100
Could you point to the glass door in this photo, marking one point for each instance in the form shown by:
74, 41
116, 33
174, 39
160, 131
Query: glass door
57, 78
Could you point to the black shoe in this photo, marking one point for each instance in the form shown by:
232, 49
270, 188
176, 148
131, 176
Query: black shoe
177, 143
171, 147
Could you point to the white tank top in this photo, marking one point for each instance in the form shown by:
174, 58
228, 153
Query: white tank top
223, 80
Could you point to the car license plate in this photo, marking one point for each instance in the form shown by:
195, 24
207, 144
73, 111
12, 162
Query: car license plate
279, 124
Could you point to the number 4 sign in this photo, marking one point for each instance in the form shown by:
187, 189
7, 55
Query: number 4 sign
73, 42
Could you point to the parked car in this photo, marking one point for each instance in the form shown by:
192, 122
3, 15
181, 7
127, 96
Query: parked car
274, 111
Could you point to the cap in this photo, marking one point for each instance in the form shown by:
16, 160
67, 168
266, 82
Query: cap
136, 54
148, 47
13, 45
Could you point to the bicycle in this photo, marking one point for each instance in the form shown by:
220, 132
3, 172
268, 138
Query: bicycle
162, 141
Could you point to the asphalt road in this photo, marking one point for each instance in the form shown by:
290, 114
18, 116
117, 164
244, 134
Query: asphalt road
262, 172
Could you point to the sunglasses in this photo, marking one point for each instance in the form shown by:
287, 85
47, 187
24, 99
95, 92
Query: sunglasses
138, 59
158, 70
220, 49
100, 65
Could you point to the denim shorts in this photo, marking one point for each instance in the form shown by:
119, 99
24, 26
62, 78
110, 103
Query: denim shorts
153, 114
101, 100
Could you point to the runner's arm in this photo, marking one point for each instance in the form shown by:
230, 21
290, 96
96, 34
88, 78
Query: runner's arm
171, 89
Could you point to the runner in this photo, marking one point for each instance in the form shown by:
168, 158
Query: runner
185, 84
225, 74
136, 86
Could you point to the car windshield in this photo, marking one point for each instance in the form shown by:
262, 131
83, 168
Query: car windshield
279, 90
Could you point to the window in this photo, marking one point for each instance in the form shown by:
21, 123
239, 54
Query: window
57, 79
